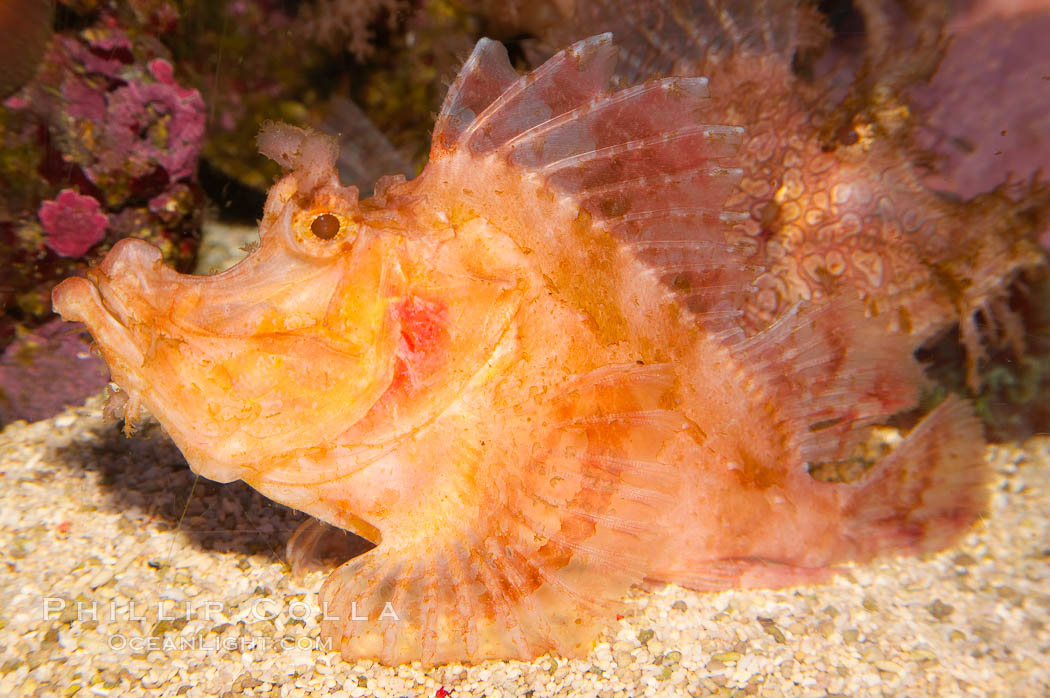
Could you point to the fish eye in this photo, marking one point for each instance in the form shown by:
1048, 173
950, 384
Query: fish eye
326, 226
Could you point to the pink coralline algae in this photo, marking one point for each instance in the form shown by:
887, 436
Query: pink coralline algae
150, 124
74, 223
105, 134
102, 143
142, 127
56, 355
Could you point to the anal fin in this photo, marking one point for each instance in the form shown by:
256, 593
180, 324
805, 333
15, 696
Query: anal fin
924, 494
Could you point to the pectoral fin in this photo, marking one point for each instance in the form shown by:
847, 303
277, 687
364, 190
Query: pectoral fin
544, 562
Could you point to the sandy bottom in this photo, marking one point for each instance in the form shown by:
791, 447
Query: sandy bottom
183, 591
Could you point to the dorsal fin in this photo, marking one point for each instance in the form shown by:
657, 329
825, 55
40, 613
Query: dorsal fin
642, 164
568, 80
483, 78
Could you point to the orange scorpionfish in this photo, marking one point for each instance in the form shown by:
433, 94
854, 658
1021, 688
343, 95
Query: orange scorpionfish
489, 372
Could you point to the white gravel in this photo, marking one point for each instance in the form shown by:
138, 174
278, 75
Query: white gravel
206, 606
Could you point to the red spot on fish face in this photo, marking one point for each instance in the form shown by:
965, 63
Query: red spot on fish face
423, 321
424, 335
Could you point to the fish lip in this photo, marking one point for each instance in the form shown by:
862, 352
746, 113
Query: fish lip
106, 296
90, 299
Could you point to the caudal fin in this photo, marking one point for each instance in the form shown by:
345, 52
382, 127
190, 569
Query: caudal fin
924, 494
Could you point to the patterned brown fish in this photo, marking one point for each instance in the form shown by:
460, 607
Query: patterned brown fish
836, 189
484, 372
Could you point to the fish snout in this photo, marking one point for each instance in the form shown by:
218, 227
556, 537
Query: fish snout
129, 268
68, 298
133, 279
130, 256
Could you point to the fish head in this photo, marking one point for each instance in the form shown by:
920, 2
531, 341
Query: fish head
247, 367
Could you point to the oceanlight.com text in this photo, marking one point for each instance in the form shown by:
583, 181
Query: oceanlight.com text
139, 643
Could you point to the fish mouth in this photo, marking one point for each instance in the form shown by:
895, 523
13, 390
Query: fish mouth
108, 299
91, 300
99, 303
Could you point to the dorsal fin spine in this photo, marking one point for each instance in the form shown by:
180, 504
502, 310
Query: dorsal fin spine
705, 129
522, 83
663, 178
605, 101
